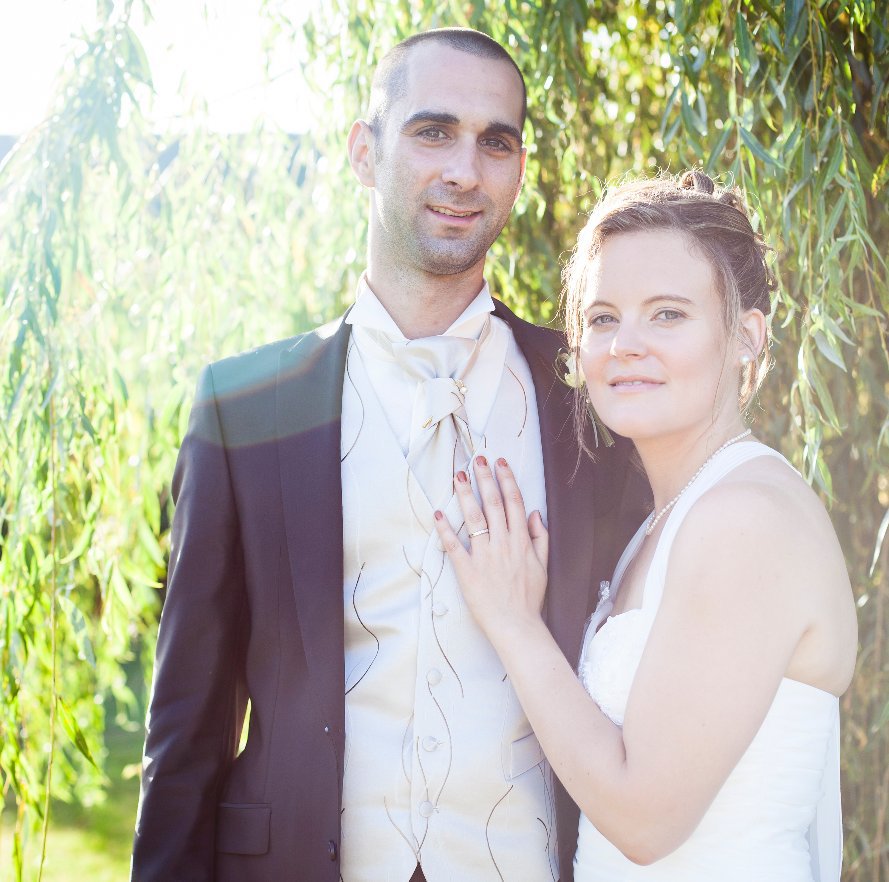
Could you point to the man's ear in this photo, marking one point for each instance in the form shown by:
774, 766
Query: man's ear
521, 174
752, 334
361, 152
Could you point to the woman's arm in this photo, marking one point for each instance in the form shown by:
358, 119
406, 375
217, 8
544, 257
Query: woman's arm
726, 631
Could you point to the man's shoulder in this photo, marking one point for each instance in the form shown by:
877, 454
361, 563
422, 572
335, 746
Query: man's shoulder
515, 321
256, 368
539, 341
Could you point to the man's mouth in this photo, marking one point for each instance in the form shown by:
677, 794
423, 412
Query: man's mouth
450, 212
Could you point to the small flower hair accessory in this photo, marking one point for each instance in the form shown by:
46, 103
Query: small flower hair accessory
571, 374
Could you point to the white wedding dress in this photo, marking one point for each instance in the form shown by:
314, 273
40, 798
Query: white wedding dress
777, 817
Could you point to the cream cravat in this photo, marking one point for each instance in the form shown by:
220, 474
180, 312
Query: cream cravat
441, 441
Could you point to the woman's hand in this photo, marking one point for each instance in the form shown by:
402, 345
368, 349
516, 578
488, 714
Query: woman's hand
503, 575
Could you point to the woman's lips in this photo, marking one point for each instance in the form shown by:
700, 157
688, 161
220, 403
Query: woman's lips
633, 383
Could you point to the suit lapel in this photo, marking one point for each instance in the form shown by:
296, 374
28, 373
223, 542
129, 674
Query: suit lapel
569, 496
308, 411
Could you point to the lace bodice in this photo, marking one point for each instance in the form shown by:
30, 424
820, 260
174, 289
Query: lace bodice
777, 815
609, 663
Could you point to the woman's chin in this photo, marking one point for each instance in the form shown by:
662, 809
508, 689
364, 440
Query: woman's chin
635, 427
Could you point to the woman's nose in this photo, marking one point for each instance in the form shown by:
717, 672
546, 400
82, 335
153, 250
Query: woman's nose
627, 341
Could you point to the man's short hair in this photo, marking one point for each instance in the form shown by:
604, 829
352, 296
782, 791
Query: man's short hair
390, 78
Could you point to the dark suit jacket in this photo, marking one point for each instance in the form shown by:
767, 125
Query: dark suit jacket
254, 609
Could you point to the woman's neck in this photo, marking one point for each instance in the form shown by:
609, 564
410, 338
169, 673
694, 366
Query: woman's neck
672, 461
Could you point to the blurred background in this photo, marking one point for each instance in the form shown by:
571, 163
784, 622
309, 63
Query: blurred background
174, 188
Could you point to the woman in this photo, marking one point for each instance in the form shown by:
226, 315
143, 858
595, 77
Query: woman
700, 736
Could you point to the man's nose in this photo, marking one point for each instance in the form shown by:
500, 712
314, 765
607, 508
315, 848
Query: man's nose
461, 166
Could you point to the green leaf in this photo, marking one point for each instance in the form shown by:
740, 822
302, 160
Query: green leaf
758, 151
793, 20
79, 629
827, 134
836, 158
834, 328
691, 120
139, 66
76, 736
828, 349
824, 397
716, 155
747, 55
668, 111
832, 221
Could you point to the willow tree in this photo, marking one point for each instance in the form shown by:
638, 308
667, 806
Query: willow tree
128, 258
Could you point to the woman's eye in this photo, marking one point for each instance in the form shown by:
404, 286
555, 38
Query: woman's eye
669, 315
603, 318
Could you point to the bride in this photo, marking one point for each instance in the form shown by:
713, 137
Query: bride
700, 734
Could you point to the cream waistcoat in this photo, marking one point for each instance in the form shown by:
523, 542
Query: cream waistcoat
441, 766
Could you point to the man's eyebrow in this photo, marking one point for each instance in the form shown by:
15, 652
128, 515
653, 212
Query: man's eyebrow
430, 116
448, 119
501, 128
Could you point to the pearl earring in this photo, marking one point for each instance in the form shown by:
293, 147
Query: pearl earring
745, 360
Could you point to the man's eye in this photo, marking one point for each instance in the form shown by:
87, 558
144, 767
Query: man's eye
496, 144
432, 134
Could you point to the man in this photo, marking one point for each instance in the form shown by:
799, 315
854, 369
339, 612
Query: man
385, 742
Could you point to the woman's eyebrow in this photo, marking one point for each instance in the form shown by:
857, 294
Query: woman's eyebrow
656, 298
675, 298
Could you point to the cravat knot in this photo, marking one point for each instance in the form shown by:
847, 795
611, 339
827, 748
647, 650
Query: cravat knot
441, 442
440, 397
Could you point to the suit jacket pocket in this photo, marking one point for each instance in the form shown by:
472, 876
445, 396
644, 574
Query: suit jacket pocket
243, 828
525, 753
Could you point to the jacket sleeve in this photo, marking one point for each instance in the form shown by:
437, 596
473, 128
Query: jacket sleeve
198, 699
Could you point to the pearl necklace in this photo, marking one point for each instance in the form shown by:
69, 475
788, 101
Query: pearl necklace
653, 519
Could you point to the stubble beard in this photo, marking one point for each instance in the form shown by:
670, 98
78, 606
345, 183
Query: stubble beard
447, 257
438, 255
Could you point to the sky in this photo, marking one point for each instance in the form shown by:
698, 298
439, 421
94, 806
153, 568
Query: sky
198, 50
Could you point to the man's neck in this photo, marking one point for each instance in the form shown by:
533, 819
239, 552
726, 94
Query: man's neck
422, 304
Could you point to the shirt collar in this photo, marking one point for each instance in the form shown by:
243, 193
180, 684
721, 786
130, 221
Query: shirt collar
369, 313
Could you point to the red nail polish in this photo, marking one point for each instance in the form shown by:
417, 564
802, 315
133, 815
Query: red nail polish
481, 461
462, 478
438, 516
502, 463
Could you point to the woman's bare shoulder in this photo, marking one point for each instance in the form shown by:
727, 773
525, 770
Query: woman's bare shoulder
766, 520
760, 544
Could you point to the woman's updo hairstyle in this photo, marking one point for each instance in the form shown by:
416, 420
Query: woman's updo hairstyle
714, 221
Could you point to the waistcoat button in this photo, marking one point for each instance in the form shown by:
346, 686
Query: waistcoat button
433, 676
430, 742
426, 809
439, 608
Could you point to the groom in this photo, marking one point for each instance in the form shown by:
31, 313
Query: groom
385, 742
